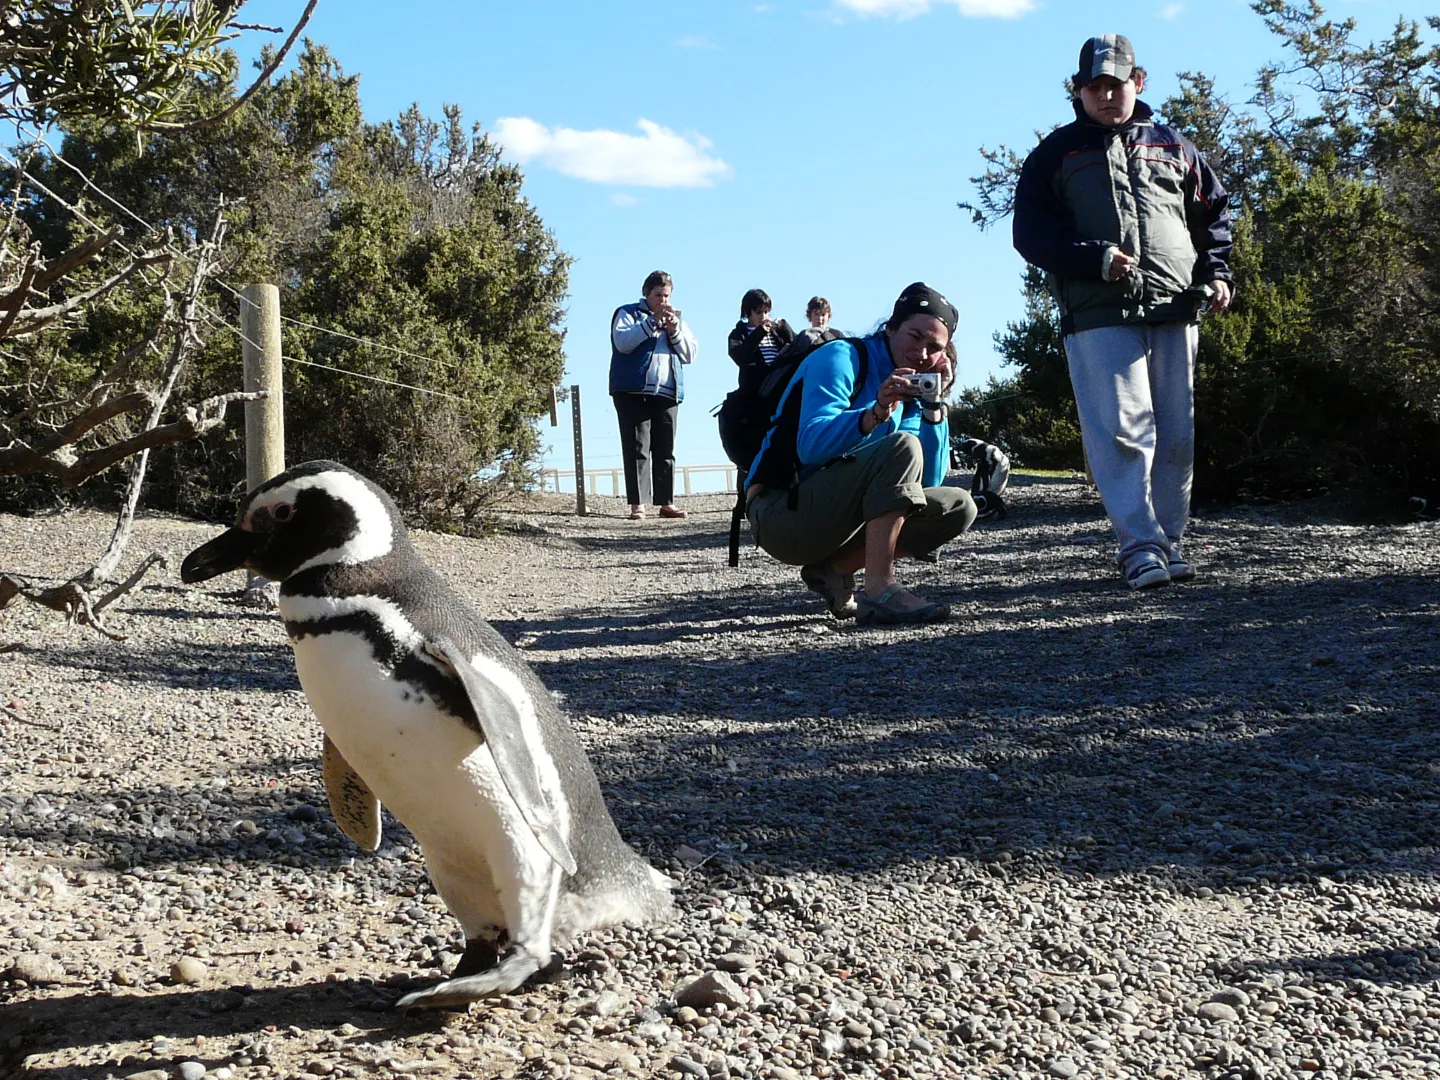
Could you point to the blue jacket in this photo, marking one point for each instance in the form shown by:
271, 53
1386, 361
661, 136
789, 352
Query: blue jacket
1142, 187
830, 426
643, 359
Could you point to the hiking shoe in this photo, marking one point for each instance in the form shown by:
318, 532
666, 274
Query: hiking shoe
835, 588
1147, 574
888, 609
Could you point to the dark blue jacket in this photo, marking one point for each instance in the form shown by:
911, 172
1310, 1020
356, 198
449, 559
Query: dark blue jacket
643, 359
1142, 187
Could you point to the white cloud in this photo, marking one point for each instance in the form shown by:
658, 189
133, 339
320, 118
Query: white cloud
1170, 11
908, 9
698, 41
624, 198
658, 157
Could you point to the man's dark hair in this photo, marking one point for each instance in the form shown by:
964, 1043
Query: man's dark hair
817, 303
654, 281
754, 298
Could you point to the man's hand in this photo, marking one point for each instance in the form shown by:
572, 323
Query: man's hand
1223, 294
1121, 265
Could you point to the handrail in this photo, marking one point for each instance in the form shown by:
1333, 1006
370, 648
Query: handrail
617, 478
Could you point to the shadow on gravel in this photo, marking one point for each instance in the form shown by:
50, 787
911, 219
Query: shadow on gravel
1401, 967
266, 812
237, 1019
1235, 732
251, 666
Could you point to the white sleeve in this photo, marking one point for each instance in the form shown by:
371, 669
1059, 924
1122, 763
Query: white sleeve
683, 345
632, 329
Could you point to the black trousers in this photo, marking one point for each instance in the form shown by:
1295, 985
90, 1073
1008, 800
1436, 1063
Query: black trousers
647, 443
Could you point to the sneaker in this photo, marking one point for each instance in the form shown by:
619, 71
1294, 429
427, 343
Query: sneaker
887, 609
835, 588
1180, 570
1147, 574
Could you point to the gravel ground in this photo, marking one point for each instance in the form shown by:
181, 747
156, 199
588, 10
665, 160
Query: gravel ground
1076, 832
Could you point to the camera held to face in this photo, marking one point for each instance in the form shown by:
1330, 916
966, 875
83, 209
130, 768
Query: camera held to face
928, 383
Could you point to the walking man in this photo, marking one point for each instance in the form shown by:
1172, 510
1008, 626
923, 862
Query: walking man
1130, 224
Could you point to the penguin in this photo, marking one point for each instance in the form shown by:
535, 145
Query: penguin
991, 464
429, 711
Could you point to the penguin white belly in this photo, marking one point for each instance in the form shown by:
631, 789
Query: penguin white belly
434, 774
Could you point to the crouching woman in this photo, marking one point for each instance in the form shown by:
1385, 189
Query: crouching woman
849, 476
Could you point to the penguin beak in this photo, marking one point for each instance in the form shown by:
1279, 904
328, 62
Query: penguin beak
230, 550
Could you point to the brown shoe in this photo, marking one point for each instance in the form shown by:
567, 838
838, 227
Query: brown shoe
668, 511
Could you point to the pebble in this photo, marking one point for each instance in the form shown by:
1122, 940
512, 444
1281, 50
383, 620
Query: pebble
37, 968
737, 962
689, 1067
188, 971
1218, 1012
191, 1070
712, 988
1232, 996
606, 1003
1064, 1068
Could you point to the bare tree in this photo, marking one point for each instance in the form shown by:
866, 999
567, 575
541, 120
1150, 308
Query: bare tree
136, 64
112, 395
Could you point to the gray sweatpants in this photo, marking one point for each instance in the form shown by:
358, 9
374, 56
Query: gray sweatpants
1135, 389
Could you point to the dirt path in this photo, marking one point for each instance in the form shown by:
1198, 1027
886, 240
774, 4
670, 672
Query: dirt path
1076, 832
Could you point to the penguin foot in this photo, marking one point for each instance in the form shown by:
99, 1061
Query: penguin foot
510, 974
481, 954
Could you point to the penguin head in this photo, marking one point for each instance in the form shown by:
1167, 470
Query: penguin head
316, 514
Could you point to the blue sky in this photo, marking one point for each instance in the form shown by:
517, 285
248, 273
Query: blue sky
801, 146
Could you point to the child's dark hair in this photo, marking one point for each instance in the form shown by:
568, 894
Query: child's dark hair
754, 298
656, 279
817, 303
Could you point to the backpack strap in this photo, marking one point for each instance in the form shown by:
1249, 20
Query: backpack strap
736, 516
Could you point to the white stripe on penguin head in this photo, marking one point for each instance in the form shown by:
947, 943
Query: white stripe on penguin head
374, 533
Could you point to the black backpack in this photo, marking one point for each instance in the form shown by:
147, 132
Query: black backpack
747, 415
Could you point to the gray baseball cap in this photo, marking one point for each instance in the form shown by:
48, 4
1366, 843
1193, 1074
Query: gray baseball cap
1108, 54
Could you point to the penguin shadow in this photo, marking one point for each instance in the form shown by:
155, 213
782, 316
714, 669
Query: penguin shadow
239, 1020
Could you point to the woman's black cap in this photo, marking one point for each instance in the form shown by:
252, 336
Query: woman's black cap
921, 299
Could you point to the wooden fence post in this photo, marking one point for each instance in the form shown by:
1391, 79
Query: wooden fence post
579, 451
260, 348
264, 419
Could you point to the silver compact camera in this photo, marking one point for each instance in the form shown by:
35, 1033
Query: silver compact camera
928, 383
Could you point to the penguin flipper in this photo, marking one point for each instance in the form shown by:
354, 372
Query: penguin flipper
500, 722
356, 809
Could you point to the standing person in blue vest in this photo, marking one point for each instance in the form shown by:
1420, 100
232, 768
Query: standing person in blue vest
649, 348
1130, 223
849, 476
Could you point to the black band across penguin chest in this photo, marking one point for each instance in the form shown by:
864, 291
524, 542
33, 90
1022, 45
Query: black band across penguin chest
416, 674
